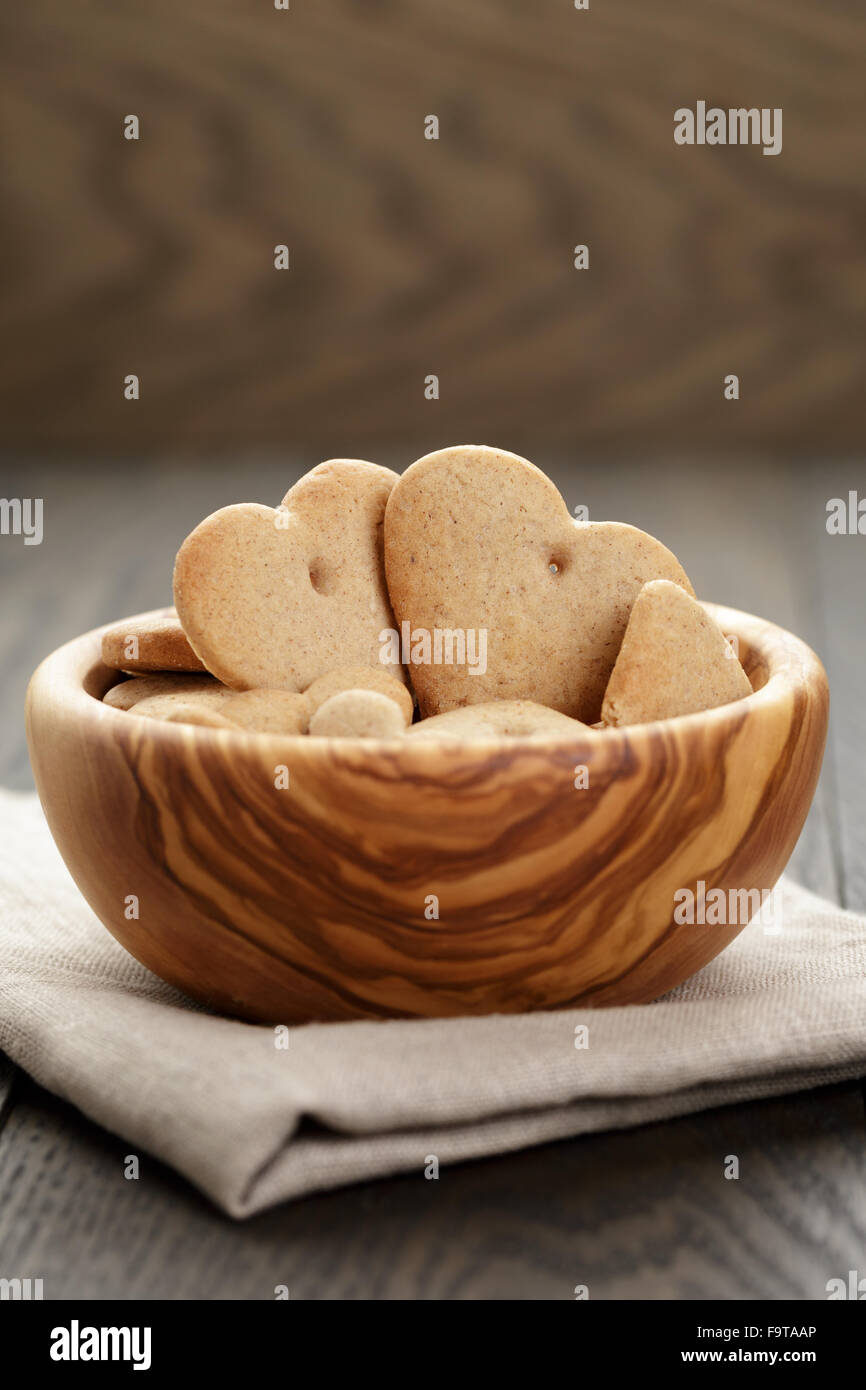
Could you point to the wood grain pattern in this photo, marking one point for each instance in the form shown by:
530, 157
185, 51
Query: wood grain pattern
412, 257
635, 1214
308, 903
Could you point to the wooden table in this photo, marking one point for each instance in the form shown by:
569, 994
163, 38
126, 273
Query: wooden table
643, 1213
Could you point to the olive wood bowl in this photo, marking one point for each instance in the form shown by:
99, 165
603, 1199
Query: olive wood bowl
318, 901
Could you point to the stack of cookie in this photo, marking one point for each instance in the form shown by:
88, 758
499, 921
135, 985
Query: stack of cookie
464, 587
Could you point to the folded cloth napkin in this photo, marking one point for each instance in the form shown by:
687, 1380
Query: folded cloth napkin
253, 1124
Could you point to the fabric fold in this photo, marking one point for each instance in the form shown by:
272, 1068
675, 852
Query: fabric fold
252, 1124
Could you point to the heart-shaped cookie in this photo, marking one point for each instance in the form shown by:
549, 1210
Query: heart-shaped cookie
673, 660
479, 543
199, 715
163, 703
269, 711
157, 643
174, 686
498, 720
275, 597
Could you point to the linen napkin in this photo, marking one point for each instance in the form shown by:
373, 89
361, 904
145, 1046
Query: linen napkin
252, 1124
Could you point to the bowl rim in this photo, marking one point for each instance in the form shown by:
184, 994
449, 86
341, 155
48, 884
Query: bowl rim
77, 679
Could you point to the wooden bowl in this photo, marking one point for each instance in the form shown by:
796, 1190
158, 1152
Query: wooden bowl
317, 901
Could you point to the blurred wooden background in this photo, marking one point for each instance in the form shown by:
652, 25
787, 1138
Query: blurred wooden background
410, 256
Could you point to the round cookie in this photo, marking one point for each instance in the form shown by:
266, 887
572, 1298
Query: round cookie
157, 643
275, 597
360, 678
480, 543
358, 714
131, 692
499, 719
269, 711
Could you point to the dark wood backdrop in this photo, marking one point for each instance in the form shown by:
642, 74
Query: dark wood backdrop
412, 257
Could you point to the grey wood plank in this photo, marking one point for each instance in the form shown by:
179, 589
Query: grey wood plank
7, 1076
841, 564
644, 1213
